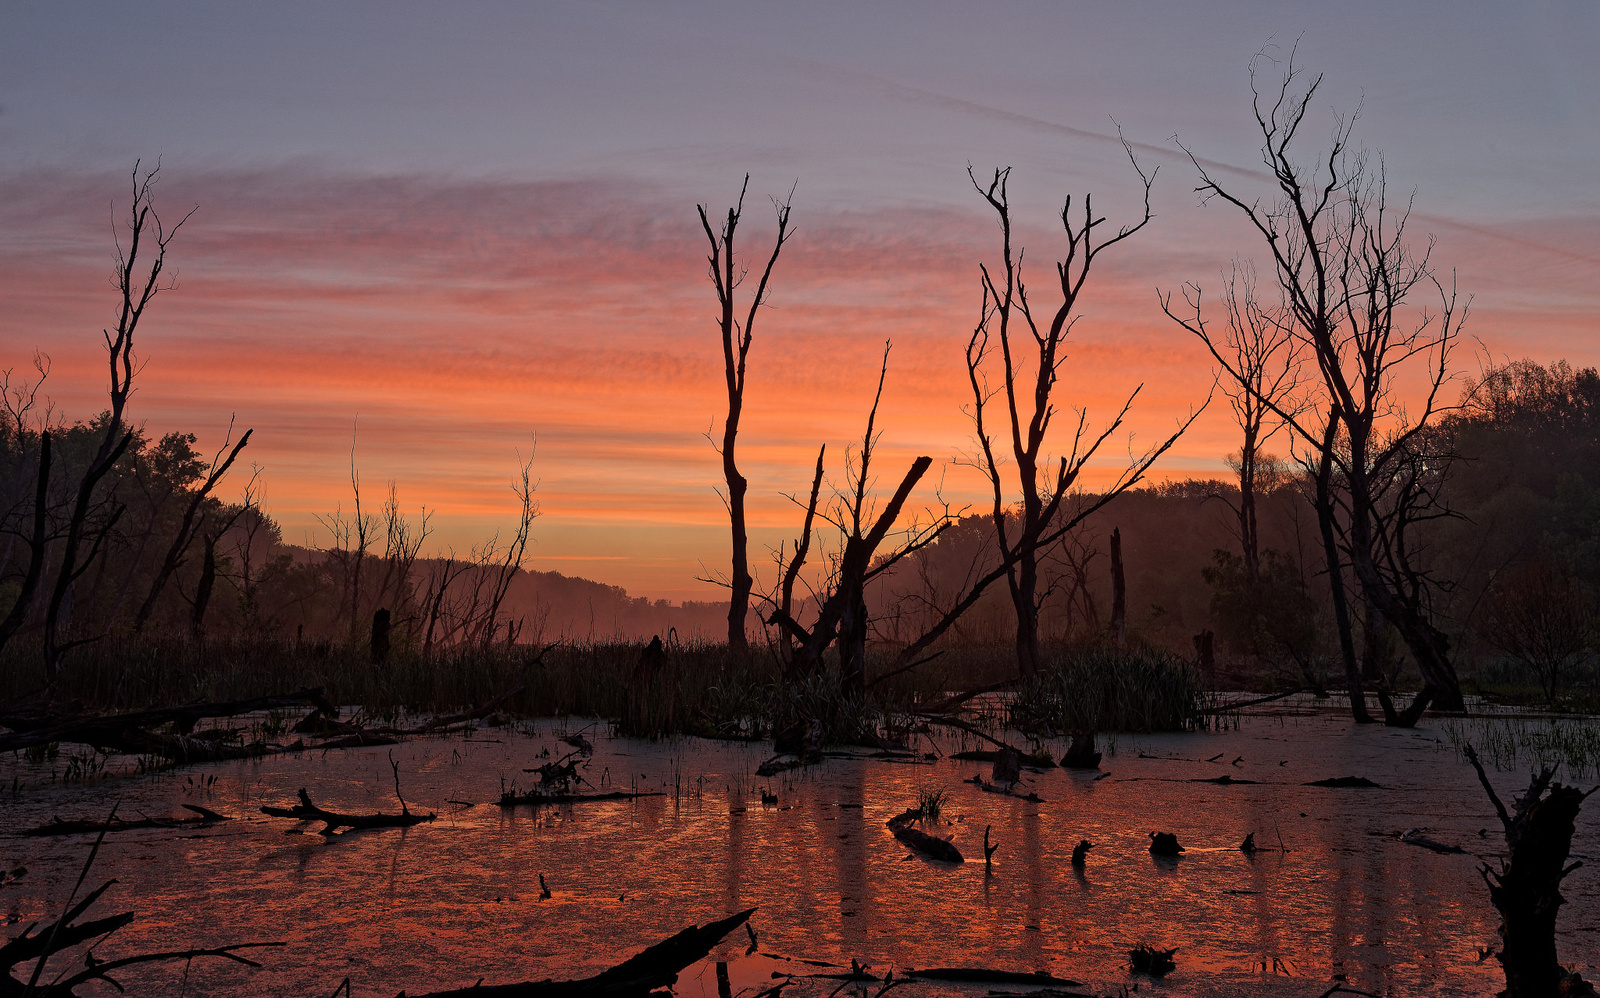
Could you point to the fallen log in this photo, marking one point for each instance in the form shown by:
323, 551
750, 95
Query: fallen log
1416, 837
1345, 782
333, 820
202, 816
128, 732
533, 797
983, 975
651, 969
929, 845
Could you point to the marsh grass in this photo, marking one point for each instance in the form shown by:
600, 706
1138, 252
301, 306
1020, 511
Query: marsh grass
1110, 689
698, 689
1510, 743
701, 689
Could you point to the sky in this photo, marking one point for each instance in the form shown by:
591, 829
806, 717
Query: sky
435, 239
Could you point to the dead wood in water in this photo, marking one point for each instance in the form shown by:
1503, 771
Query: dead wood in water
916, 838
202, 816
130, 732
653, 968
535, 798
983, 975
1526, 890
333, 820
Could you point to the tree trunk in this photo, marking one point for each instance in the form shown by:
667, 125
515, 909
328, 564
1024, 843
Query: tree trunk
1024, 586
1119, 592
1526, 890
36, 543
1335, 564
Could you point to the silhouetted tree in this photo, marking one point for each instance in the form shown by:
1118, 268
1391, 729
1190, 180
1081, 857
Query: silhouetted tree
1031, 353
726, 275
842, 616
1348, 278
138, 282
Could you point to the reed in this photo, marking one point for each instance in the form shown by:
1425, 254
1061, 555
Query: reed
1099, 688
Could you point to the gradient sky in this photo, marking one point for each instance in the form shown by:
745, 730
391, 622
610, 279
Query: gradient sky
452, 227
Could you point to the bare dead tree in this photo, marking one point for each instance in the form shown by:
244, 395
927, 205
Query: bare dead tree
190, 524
1030, 353
1267, 357
842, 616
726, 275
1349, 279
138, 282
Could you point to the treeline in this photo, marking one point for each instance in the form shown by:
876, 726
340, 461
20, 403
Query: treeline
1513, 554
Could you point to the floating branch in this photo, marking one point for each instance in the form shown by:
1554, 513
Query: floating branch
651, 969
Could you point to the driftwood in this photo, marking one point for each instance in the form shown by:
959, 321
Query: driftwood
1526, 890
333, 820
651, 969
1346, 782
942, 849
202, 816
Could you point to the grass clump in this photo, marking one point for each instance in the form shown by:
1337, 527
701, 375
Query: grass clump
1110, 689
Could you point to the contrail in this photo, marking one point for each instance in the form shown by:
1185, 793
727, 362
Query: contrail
917, 95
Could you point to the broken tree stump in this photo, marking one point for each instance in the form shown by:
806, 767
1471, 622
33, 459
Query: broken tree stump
1526, 890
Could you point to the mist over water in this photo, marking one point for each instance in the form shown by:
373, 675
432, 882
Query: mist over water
444, 904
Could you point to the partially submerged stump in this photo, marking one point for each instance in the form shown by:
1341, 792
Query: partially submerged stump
1081, 752
1080, 852
1146, 959
1526, 890
1164, 844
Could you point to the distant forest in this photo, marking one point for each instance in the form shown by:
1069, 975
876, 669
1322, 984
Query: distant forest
1516, 559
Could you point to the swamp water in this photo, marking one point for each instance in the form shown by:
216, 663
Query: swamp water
445, 904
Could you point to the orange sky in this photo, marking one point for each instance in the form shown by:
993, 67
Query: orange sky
450, 321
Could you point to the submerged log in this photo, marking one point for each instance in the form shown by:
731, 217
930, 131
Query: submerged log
1526, 890
983, 975
1345, 782
333, 820
130, 732
202, 816
653, 968
536, 799
929, 845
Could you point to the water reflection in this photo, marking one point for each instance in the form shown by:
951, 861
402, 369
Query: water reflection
441, 905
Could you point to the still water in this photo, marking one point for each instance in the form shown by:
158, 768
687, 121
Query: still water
445, 904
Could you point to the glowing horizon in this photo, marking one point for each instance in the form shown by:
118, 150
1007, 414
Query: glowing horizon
434, 272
